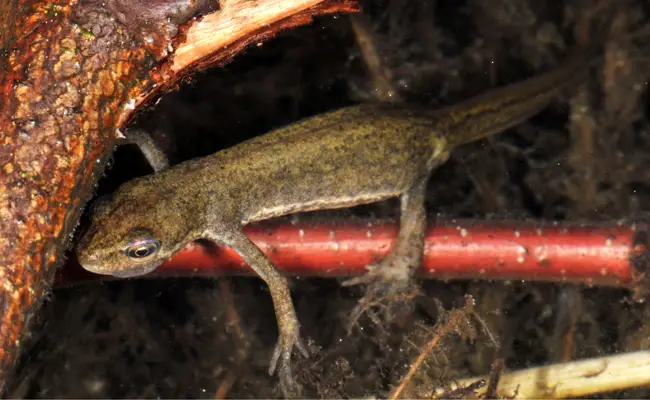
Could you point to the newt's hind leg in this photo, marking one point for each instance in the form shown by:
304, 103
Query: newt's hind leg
389, 280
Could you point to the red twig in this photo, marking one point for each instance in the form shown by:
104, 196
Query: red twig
611, 255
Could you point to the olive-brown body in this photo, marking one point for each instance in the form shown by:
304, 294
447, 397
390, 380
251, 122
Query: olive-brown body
355, 155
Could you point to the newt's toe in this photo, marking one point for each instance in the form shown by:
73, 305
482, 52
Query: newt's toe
289, 339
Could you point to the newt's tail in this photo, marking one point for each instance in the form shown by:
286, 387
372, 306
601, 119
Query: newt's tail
510, 105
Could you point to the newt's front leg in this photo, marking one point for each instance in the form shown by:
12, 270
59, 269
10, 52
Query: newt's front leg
155, 156
288, 325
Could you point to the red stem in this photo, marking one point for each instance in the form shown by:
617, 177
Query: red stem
591, 254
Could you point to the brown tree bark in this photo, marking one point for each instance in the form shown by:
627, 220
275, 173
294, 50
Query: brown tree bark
71, 74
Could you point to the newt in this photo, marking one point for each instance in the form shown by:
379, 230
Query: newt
351, 156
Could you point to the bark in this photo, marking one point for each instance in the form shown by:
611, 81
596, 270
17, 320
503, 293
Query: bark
71, 74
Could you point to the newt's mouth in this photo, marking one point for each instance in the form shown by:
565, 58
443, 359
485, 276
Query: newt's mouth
133, 272
93, 265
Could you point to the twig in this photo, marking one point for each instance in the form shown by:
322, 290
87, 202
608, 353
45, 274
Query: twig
596, 254
381, 76
574, 379
569, 310
454, 322
493, 379
238, 335
584, 151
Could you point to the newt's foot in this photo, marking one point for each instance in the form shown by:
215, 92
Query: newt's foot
389, 288
289, 338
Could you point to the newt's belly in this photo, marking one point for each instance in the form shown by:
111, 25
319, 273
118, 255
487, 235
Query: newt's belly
271, 210
342, 177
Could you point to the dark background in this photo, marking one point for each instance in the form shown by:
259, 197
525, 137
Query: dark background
173, 337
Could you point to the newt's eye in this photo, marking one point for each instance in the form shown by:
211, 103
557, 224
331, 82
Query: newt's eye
142, 249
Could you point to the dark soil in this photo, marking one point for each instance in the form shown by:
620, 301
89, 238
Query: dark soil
175, 338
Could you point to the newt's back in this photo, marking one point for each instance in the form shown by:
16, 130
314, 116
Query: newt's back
357, 154
350, 156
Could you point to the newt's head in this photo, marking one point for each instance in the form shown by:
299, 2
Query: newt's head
134, 231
